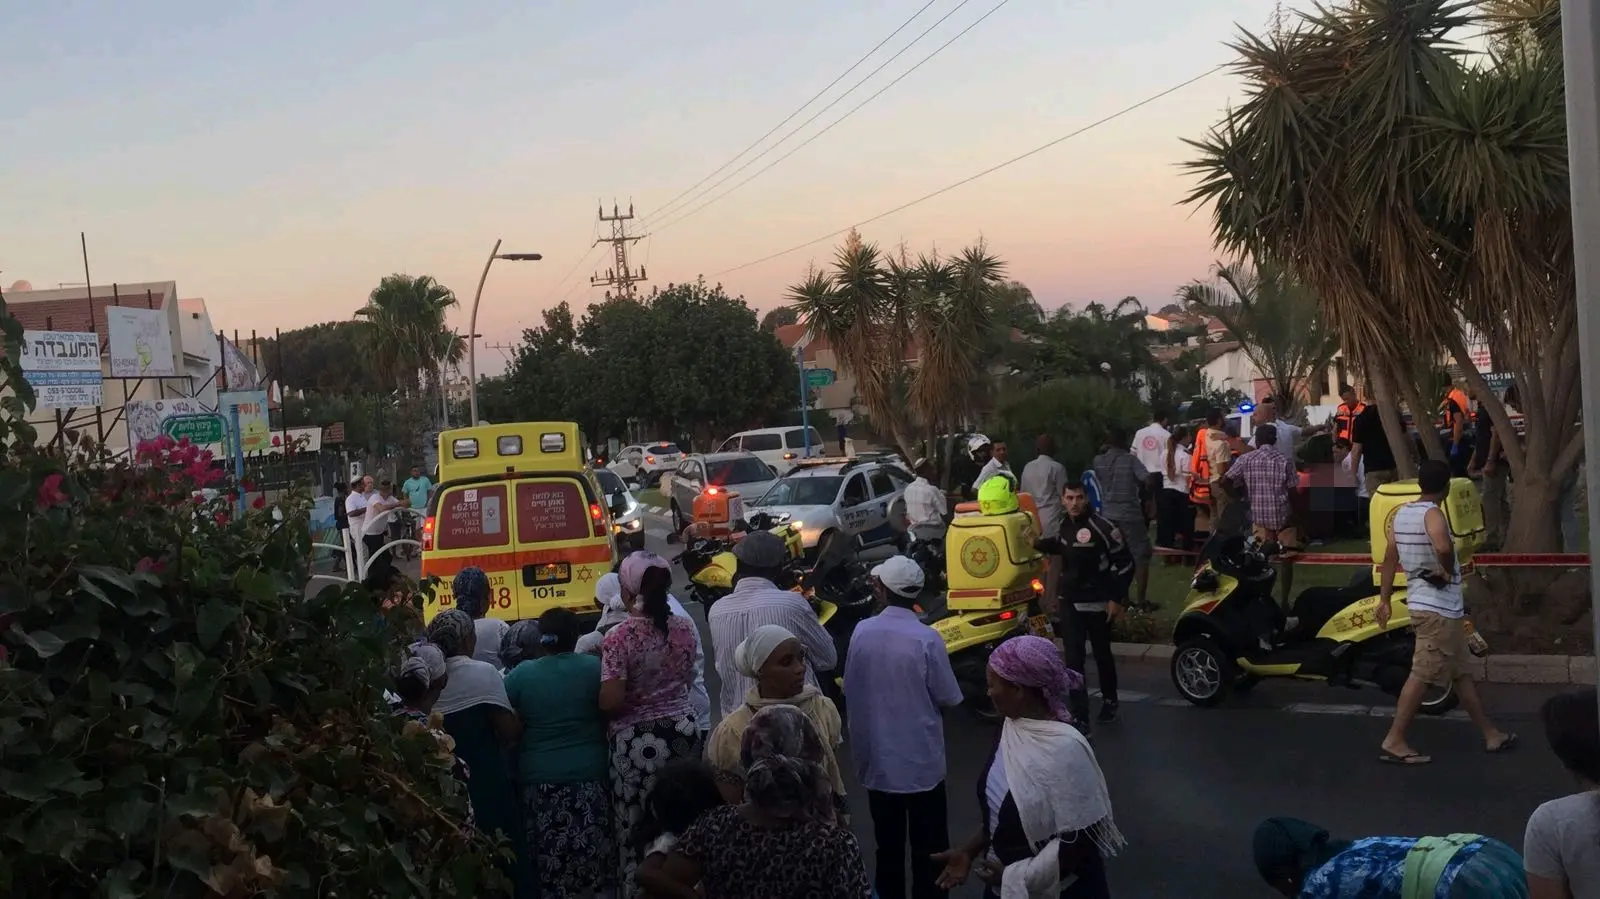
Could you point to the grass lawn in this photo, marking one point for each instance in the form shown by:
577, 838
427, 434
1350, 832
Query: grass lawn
1169, 584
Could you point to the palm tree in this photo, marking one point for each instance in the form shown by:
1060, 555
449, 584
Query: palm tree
877, 310
1276, 319
409, 341
1419, 190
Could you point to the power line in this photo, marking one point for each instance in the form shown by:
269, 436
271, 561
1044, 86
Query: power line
594, 232
988, 171
676, 218
799, 109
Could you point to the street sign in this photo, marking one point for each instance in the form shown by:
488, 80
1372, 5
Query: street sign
201, 430
819, 377
1498, 380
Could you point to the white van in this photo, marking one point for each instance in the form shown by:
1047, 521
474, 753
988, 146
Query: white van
778, 447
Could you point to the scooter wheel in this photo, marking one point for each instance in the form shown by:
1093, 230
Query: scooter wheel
1202, 672
1439, 700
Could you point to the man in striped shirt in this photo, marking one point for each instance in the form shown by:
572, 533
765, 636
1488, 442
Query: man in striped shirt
756, 601
1420, 545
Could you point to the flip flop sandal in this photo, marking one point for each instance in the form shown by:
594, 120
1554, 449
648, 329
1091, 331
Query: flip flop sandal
1410, 758
1510, 742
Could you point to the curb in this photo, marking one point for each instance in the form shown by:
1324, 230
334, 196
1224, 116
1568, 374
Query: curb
1496, 669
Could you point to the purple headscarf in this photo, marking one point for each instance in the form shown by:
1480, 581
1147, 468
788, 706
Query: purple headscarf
632, 573
1035, 662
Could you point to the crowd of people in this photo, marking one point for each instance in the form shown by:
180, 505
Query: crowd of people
593, 752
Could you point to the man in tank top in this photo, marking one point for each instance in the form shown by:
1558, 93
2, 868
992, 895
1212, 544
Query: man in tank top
1420, 545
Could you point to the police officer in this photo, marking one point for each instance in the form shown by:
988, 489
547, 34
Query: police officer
1097, 570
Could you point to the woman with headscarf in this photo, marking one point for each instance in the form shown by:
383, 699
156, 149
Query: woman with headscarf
470, 590
563, 763
417, 683
1299, 859
773, 658
478, 715
646, 673
780, 842
1047, 825
608, 594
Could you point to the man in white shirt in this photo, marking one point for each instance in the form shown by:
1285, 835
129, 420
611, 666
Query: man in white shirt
355, 511
1150, 445
926, 505
756, 601
1289, 436
375, 530
1044, 479
996, 463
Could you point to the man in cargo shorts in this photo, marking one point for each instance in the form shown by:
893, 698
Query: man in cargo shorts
1421, 545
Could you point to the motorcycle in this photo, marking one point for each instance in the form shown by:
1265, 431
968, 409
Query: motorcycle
995, 581
1232, 633
925, 546
709, 564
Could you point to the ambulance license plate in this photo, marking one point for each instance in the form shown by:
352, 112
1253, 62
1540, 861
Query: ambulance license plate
548, 573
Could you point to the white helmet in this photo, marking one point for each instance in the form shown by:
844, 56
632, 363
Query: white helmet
975, 443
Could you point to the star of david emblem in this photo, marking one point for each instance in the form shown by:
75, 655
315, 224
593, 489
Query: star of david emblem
980, 557
1358, 619
585, 574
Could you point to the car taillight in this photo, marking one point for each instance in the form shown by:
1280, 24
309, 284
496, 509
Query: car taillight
1037, 585
595, 511
427, 534
649, 460
788, 455
596, 519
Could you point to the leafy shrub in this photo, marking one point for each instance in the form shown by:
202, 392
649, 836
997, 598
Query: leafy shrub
1075, 411
1134, 626
177, 718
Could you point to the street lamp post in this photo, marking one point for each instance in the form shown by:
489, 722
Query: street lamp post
472, 325
1580, 26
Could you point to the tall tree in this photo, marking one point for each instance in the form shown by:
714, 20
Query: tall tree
878, 311
1277, 320
777, 318
1419, 189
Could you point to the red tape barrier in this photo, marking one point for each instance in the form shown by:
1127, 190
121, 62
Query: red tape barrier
1481, 560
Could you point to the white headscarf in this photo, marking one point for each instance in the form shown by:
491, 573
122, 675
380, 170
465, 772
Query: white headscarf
753, 652
424, 661
1058, 788
613, 611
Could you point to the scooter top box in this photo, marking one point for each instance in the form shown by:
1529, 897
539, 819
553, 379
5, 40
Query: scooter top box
1462, 509
990, 559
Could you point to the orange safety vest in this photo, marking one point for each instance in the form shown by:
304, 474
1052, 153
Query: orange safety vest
1454, 400
1200, 469
1344, 421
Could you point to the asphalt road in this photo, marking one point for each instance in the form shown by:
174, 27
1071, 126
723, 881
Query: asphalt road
1189, 785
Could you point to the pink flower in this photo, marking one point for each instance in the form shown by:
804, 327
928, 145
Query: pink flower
148, 565
50, 492
259, 502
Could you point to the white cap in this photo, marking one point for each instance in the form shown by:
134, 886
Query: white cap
900, 575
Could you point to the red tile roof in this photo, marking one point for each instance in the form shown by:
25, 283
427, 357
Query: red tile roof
49, 310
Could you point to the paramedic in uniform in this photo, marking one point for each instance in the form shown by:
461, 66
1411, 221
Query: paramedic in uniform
1096, 572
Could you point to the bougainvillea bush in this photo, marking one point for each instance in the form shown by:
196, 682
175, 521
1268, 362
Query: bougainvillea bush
179, 716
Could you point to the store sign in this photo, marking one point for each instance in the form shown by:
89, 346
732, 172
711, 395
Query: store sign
63, 367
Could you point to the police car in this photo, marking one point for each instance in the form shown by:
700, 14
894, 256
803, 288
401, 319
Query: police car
858, 498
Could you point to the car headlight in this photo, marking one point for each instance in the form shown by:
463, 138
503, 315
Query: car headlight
633, 526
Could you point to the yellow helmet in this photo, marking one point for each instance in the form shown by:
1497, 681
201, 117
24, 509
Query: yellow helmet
997, 496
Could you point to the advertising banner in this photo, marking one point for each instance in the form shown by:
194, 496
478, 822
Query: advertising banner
252, 406
63, 368
139, 343
147, 418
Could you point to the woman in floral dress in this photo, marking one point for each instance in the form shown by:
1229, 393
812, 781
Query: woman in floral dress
646, 672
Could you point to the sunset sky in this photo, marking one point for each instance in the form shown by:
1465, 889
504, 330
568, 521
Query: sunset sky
279, 159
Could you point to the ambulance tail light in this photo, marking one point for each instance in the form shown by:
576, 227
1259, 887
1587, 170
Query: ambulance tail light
427, 534
1037, 585
596, 518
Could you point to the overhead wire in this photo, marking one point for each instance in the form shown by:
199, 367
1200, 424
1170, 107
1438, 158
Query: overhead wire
988, 171
676, 218
594, 232
662, 210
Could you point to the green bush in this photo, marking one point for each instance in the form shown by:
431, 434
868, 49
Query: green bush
1075, 411
177, 719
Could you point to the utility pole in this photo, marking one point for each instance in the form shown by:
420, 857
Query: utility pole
1580, 27
619, 275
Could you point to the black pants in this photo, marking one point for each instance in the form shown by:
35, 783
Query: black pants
1174, 519
922, 819
1075, 627
378, 569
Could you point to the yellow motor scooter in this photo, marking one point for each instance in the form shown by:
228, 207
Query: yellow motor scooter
1232, 634
995, 579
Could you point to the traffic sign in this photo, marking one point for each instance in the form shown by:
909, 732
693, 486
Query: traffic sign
197, 429
819, 377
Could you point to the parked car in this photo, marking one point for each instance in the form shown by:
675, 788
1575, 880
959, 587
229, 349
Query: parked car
778, 447
627, 527
864, 500
741, 472
643, 463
